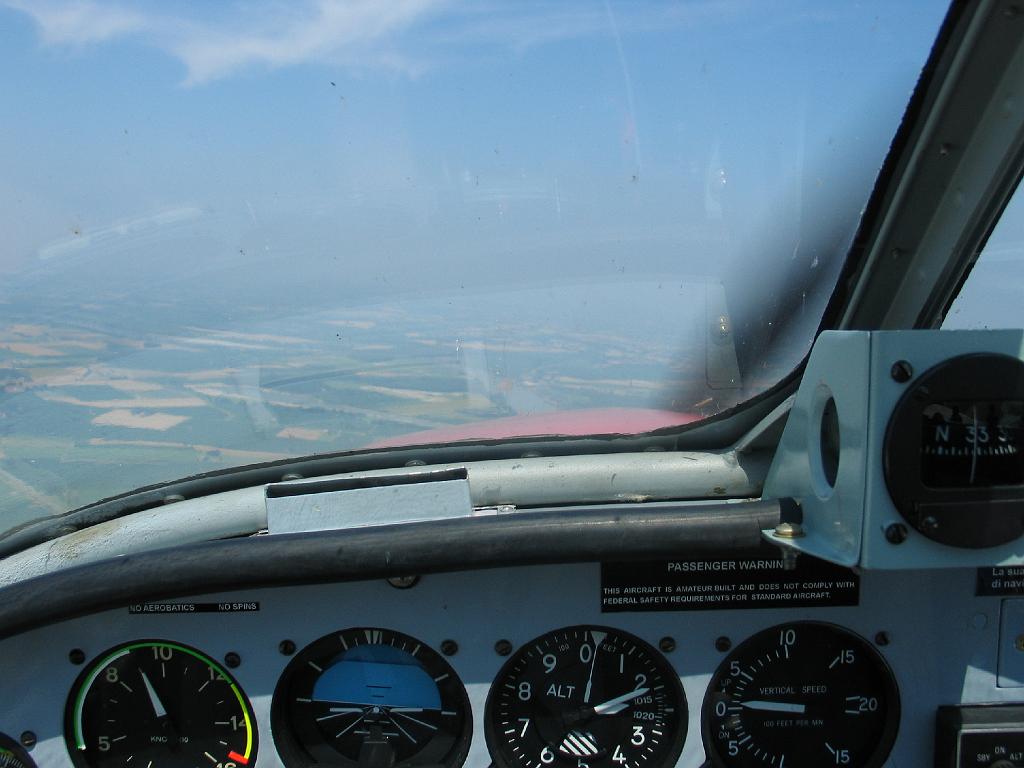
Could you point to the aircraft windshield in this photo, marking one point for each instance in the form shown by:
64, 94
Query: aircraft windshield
237, 232
990, 297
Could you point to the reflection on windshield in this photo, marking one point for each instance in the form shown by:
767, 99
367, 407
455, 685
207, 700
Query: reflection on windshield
239, 232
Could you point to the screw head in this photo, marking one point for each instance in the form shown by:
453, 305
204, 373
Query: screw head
503, 647
882, 638
232, 659
28, 739
901, 371
896, 533
667, 644
723, 644
286, 647
789, 530
403, 582
76, 656
449, 647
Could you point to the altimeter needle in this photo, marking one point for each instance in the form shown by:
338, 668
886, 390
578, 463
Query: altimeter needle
598, 638
775, 706
619, 703
154, 700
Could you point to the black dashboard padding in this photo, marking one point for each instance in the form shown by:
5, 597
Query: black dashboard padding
591, 534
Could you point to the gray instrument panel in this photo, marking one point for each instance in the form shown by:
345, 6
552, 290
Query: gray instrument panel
944, 642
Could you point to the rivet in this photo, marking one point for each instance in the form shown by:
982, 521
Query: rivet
901, 371
896, 533
449, 647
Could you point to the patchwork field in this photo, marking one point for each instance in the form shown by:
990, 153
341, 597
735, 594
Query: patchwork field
94, 403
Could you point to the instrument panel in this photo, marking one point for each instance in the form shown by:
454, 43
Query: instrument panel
518, 668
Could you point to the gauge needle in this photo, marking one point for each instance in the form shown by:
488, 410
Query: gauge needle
775, 706
399, 727
410, 717
974, 443
158, 706
341, 712
598, 639
619, 703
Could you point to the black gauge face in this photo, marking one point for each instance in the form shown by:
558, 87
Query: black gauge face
801, 695
954, 451
370, 697
12, 755
158, 704
586, 697
972, 443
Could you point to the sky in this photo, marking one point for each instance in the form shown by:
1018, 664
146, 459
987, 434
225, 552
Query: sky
990, 297
455, 134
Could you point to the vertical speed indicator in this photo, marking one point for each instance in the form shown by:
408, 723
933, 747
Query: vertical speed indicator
586, 697
801, 695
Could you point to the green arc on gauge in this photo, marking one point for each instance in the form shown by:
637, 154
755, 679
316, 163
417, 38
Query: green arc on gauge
123, 651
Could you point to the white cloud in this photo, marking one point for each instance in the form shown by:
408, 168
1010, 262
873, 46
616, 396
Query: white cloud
357, 30
79, 22
220, 40
275, 35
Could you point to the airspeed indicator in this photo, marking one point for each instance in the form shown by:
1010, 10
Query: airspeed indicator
586, 697
159, 704
801, 695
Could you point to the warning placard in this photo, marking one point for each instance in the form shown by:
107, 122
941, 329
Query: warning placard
1005, 581
247, 607
754, 580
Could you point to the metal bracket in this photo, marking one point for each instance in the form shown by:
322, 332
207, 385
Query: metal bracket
368, 501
